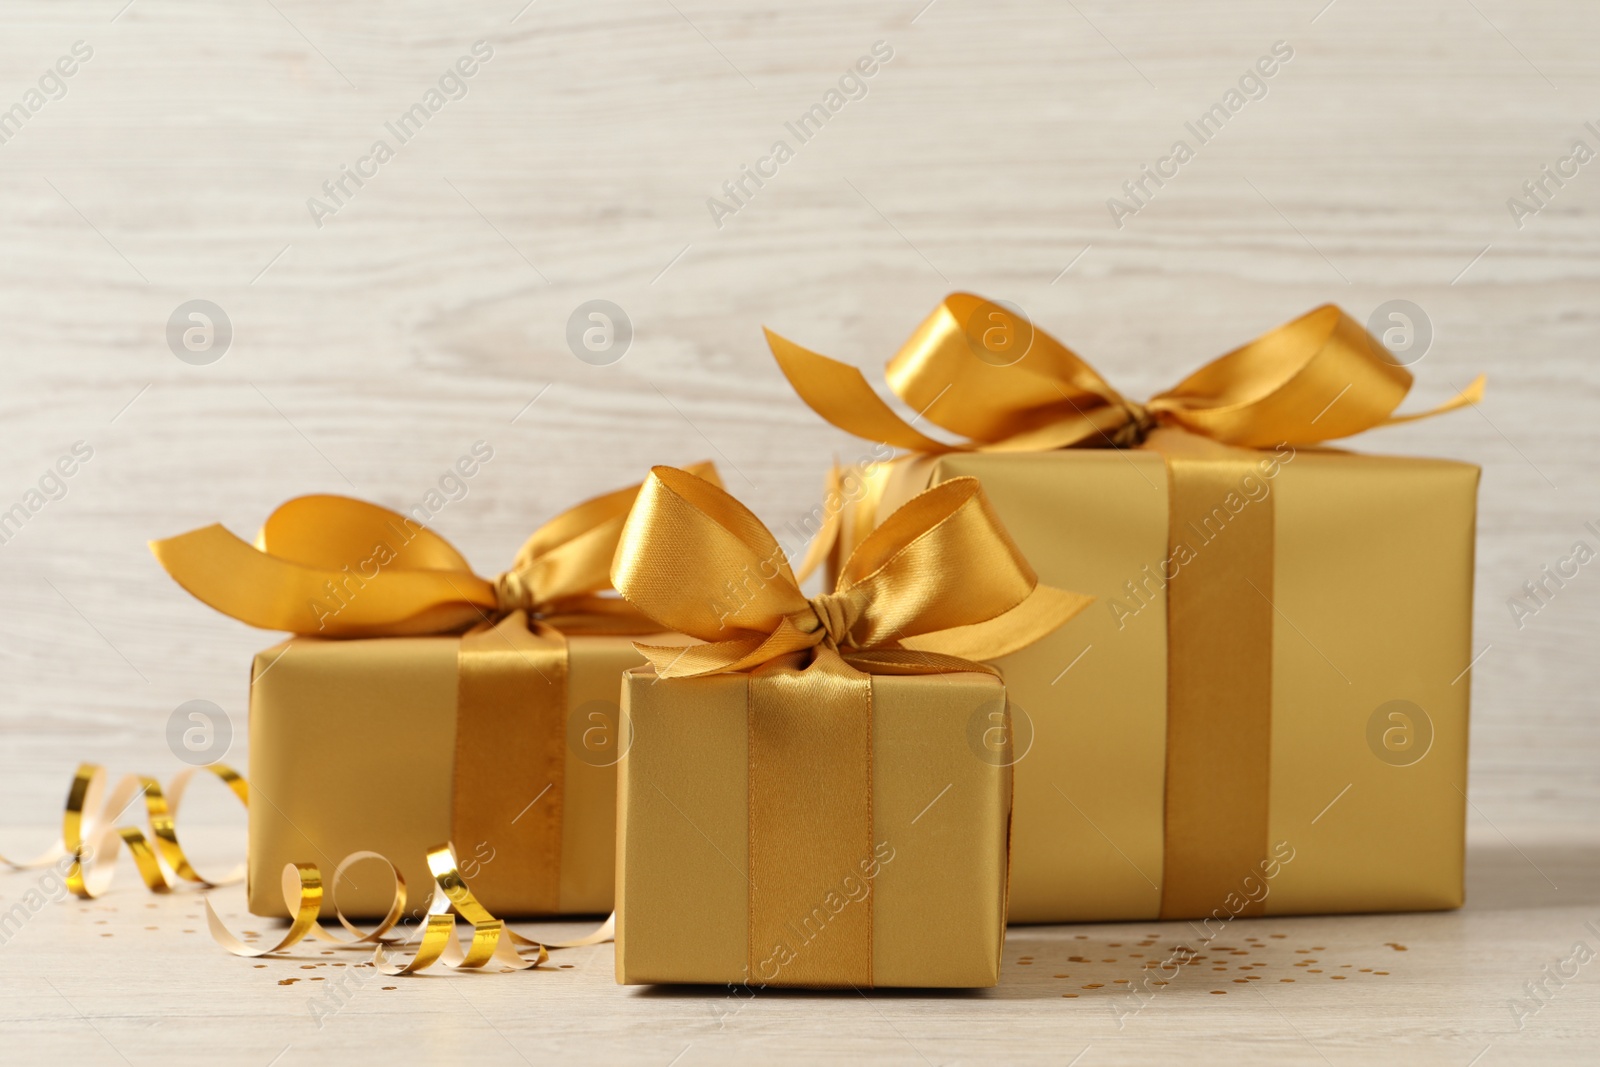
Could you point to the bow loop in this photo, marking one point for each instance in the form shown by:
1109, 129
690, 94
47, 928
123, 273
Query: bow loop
984, 371
333, 566
697, 561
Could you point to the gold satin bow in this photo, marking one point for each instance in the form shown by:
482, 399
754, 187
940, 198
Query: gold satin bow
332, 566
938, 585
982, 371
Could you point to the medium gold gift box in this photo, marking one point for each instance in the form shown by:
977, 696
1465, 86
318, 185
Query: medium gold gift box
357, 745
435, 706
1266, 711
815, 797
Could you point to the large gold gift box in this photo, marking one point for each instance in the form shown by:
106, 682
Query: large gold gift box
1356, 761
1266, 710
354, 746
819, 795
420, 704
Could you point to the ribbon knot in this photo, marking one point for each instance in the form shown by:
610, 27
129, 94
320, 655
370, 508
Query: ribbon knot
513, 593
833, 615
1132, 433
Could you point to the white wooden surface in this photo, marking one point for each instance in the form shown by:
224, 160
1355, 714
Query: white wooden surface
371, 352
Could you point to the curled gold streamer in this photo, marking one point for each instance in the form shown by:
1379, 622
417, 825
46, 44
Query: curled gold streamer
436, 940
91, 837
302, 892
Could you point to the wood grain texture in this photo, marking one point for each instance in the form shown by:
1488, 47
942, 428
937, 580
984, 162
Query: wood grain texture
372, 351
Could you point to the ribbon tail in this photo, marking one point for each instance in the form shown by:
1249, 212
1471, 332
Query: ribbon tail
1471, 395
1045, 609
840, 394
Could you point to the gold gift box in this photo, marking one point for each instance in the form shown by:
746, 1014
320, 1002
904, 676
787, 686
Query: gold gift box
421, 704
818, 794
1365, 756
353, 746
929, 889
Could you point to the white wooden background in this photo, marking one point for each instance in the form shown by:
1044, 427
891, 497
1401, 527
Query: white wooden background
370, 353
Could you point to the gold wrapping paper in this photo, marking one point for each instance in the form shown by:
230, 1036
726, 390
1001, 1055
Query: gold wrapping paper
1369, 577
930, 883
353, 748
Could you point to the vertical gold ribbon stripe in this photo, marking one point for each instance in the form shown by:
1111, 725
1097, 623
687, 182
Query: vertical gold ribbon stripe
510, 749
810, 820
1219, 676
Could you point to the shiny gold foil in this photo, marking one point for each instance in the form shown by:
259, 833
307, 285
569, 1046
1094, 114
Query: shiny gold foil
435, 940
92, 837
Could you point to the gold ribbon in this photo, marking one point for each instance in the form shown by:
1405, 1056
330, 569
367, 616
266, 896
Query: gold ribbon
982, 371
435, 939
987, 374
91, 836
939, 581
1219, 678
336, 567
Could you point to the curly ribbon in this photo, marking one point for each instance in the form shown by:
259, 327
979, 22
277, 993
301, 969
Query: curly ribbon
938, 582
92, 839
436, 941
980, 370
302, 894
332, 566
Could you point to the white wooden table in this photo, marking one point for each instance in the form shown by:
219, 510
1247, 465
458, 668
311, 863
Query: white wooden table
130, 979
430, 310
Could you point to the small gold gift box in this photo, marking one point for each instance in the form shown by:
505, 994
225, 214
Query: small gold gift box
819, 795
